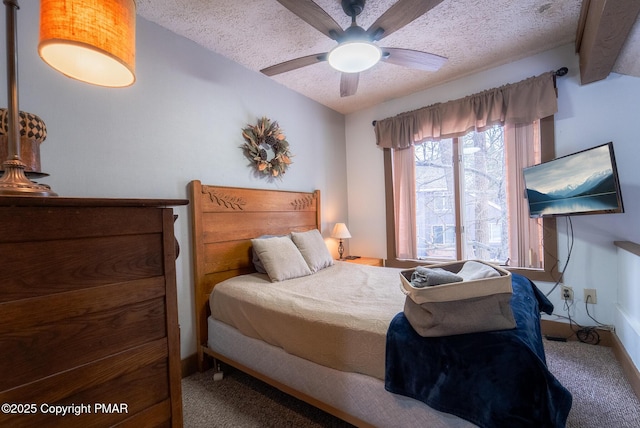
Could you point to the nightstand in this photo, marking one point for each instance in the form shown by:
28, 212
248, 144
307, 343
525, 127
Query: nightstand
371, 261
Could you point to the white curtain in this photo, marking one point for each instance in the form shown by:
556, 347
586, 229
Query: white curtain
404, 201
521, 152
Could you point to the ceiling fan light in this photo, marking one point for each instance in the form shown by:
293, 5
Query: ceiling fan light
354, 57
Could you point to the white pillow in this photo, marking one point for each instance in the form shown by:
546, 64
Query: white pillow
280, 258
313, 249
257, 263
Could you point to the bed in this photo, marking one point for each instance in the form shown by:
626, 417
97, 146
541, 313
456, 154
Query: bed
348, 373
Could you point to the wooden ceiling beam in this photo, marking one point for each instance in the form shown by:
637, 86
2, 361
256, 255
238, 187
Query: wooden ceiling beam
602, 31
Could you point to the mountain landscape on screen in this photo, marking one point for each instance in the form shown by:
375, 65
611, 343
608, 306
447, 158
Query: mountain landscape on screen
599, 183
582, 183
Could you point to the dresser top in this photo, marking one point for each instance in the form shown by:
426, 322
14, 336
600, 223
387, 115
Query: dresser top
55, 201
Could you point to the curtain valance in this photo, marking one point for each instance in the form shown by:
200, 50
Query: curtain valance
522, 102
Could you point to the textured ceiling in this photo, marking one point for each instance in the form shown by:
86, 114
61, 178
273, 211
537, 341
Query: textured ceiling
473, 34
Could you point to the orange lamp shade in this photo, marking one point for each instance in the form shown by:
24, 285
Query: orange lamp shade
90, 40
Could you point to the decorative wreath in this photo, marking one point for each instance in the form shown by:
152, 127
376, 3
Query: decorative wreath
263, 138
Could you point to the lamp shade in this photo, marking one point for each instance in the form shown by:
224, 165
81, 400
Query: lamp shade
90, 40
354, 57
340, 231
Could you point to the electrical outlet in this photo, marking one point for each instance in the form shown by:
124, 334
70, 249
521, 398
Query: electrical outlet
566, 293
590, 296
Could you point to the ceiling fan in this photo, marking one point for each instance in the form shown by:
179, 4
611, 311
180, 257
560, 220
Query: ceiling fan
356, 50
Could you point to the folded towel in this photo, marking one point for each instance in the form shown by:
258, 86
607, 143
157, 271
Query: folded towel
472, 270
426, 277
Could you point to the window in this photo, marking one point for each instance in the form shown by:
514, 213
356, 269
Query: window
440, 201
442, 235
480, 217
486, 210
469, 204
495, 233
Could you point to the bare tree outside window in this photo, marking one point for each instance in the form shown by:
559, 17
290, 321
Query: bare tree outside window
481, 225
484, 193
435, 199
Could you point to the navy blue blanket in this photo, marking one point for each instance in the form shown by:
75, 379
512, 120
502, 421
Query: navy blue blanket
492, 379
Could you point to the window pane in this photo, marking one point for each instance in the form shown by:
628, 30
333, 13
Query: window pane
484, 194
435, 200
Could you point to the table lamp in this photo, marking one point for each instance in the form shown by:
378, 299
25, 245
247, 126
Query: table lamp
340, 232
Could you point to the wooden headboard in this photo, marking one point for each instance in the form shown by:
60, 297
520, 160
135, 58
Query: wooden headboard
224, 220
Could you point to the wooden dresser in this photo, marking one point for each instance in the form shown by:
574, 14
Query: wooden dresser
88, 313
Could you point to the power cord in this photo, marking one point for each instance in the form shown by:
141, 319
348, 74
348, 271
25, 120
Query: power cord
585, 334
586, 308
569, 251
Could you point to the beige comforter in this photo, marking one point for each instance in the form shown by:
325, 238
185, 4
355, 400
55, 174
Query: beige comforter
337, 317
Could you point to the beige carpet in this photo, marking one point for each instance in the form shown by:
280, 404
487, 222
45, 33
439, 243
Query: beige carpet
242, 401
602, 398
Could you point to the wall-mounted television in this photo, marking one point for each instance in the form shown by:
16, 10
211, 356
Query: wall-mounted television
585, 182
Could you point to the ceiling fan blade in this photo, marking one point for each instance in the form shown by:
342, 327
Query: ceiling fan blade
397, 16
349, 84
315, 16
413, 59
294, 64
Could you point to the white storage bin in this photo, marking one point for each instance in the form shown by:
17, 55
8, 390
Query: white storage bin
468, 306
